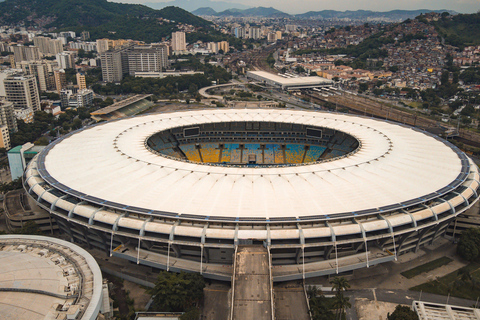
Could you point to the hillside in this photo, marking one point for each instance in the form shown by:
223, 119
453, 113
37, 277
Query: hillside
204, 11
100, 17
459, 30
194, 5
264, 12
394, 15
254, 12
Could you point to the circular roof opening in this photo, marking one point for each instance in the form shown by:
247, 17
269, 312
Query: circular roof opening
252, 143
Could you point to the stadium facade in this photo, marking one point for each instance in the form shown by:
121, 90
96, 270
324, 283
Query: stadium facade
325, 193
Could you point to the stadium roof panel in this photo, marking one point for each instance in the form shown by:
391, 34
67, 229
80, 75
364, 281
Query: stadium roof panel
395, 166
286, 83
38, 273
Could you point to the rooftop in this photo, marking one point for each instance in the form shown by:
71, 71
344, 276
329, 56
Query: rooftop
392, 169
298, 81
47, 278
121, 104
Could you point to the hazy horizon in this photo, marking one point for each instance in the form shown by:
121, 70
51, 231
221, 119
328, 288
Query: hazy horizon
292, 7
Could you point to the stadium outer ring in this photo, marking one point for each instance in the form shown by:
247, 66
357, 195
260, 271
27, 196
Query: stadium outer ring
369, 232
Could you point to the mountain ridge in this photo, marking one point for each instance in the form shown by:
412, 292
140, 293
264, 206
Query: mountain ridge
193, 5
323, 14
87, 13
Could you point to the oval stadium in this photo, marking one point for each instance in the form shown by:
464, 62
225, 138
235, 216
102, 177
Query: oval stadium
325, 193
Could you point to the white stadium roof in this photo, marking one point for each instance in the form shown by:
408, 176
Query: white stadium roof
289, 82
38, 273
109, 163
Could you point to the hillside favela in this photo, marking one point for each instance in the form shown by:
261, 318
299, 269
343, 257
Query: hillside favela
213, 160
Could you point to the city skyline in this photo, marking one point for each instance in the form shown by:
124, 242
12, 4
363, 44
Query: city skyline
462, 6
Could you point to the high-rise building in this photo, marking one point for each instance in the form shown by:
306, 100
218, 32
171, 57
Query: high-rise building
55, 46
12, 61
255, 33
223, 45
66, 60
22, 90
4, 137
4, 74
22, 53
103, 45
178, 42
42, 71
43, 44
84, 98
4, 47
271, 37
48, 46
60, 80
81, 81
111, 62
290, 28
147, 58
115, 63
87, 46
67, 34
213, 47
81, 98
7, 115
278, 35
85, 35
239, 32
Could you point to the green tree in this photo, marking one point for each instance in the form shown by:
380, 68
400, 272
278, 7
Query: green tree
270, 60
299, 69
319, 306
393, 68
77, 123
402, 313
340, 285
192, 314
177, 291
469, 244
363, 87
340, 303
42, 141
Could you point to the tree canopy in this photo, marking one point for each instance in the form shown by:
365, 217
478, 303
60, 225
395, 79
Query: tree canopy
459, 30
340, 302
319, 305
169, 85
101, 18
402, 313
469, 244
177, 291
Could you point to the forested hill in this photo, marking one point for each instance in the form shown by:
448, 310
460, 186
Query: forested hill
100, 17
459, 30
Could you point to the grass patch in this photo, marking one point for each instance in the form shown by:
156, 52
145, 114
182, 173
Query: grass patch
452, 283
429, 266
415, 104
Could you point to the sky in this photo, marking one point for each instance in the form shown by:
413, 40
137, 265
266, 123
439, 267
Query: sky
301, 6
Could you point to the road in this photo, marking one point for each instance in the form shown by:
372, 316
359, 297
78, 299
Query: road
203, 91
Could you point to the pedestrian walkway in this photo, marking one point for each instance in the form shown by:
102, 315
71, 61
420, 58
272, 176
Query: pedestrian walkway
252, 284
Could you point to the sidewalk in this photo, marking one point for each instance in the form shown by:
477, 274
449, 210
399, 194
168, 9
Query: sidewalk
387, 275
